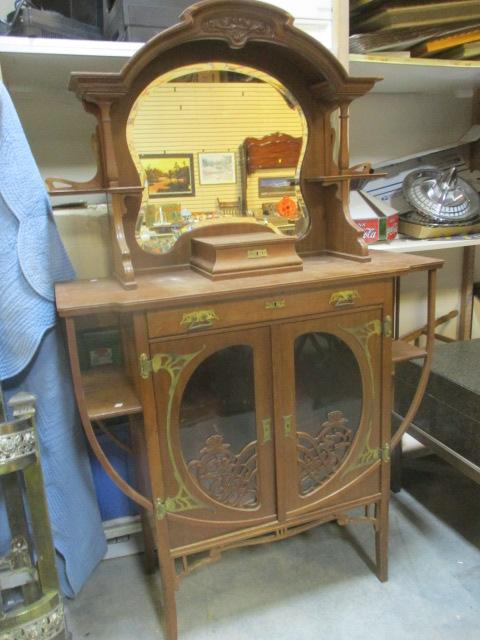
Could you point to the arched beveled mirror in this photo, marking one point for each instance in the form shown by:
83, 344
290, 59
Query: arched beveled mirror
251, 83
216, 144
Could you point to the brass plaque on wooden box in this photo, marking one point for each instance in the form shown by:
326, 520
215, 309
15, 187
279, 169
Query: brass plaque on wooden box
244, 254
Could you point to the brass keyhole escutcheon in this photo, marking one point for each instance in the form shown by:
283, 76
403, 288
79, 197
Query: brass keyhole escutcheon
288, 426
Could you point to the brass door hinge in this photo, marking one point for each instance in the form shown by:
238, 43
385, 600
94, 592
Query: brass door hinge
145, 366
382, 453
387, 327
385, 452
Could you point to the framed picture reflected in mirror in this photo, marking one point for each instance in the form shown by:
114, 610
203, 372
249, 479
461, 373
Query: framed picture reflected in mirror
169, 174
273, 186
217, 168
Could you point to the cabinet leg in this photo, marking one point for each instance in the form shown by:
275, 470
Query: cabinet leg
169, 581
150, 557
381, 540
169, 601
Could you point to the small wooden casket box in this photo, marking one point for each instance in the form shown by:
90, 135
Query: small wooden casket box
228, 256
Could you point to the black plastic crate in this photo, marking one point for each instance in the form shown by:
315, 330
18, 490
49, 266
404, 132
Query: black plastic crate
50, 24
140, 20
88, 11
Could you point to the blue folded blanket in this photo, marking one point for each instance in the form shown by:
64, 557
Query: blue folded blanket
32, 355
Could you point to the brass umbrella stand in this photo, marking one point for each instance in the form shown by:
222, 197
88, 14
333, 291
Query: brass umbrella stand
31, 606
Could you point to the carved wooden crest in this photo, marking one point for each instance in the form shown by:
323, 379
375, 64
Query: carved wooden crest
239, 28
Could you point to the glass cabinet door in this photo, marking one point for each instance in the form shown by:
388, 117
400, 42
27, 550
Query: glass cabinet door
328, 416
218, 432
328, 406
214, 407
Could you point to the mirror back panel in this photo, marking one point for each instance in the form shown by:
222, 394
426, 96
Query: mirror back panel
171, 178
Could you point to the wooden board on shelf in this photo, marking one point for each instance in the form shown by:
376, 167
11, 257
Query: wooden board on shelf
428, 13
438, 45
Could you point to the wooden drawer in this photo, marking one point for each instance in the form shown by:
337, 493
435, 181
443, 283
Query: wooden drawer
182, 320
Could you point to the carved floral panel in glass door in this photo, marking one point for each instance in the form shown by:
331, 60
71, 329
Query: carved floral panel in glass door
328, 391
218, 427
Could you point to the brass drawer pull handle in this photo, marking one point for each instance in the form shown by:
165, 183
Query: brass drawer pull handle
275, 304
343, 298
201, 319
288, 426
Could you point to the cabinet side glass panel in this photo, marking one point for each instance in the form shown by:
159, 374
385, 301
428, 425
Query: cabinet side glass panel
328, 392
218, 427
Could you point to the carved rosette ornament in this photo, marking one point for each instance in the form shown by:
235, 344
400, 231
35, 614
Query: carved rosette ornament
47, 627
239, 29
320, 456
228, 478
14, 446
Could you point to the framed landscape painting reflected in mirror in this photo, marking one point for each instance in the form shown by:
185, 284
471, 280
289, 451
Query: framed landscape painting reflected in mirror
276, 186
217, 168
168, 174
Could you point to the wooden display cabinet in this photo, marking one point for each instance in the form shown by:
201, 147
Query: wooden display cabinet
260, 402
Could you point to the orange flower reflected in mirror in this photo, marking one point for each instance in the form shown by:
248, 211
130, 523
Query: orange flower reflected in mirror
287, 208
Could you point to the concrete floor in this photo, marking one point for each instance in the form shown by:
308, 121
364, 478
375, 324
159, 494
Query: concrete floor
319, 584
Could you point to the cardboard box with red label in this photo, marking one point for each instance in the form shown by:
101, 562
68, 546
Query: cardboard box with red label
378, 220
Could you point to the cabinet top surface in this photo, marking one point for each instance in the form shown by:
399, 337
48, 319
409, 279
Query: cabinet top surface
185, 287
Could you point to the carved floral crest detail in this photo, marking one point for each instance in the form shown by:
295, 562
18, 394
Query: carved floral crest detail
231, 479
239, 29
320, 456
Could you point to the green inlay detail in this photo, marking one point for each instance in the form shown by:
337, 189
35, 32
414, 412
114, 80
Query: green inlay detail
174, 364
362, 334
183, 501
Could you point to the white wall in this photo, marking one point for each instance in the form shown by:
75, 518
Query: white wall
386, 126
5, 7
314, 16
